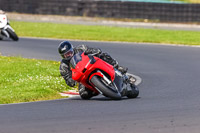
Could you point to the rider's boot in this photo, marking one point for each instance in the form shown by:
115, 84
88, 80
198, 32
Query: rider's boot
131, 80
122, 69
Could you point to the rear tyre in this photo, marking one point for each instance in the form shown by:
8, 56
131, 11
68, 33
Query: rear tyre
12, 34
1, 38
108, 91
134, 92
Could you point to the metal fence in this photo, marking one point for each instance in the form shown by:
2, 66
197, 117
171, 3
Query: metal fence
164, 12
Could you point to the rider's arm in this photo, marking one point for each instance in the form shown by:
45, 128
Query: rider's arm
88, 50
66, 73
107, 58
104, 56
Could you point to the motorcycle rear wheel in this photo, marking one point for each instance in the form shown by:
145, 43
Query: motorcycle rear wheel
108, 91
12, 34
134, 92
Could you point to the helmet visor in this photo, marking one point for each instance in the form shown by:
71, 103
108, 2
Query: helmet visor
68, 55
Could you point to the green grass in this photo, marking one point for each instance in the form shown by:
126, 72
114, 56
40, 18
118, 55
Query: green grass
105, 33
25, 80
190, 1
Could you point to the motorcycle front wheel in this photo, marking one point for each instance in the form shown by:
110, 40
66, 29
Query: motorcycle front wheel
107, 90
12, 34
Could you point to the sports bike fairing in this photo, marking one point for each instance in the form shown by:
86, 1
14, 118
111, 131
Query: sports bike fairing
3, 20
83, 66
75, 59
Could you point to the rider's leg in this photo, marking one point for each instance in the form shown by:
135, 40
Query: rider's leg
130, 90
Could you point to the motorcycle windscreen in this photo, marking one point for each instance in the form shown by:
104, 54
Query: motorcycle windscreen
75, 59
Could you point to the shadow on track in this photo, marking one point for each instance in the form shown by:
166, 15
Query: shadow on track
100, 98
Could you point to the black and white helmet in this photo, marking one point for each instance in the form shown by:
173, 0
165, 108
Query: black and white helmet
66, 51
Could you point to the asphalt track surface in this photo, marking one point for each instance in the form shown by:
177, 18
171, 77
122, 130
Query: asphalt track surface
168, 101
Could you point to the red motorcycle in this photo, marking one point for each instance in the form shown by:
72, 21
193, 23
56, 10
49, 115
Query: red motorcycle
101, 77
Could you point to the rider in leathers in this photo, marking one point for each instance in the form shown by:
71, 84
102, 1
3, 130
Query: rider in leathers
67, 51
1, 12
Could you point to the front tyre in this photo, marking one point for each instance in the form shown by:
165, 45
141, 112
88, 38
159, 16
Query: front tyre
12, 34
108, 91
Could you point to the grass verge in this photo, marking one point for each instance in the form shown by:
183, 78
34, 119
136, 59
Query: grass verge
105, 33
25, 80
191, 1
